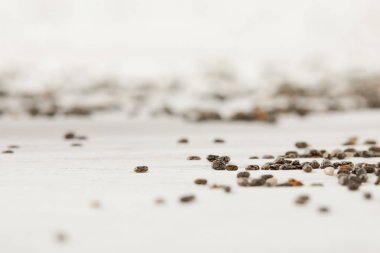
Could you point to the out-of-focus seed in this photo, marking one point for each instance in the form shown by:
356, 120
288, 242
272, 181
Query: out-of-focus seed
243, 174
323, 209
242, 181
329, 171
193, 157
301, 144
159, 201
302, 199
268, 157
367, 195
307, 168
69, 135
218, 140
183, 141
271, 181
95, 204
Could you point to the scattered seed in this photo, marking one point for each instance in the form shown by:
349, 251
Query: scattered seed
227, 189
218, 165
323, 209
353, 186
242, 181
141, 169
193, 157
69, 135
316, 184
81, 138
231, 167
95, 204
200, 181
243, 174
76, 144
301, 144
315, 164
268, 157
307, 168
13, 146
343, 179
225, 159
271, 181
370, 142
295, 182
253, 157
329, 171
212, 158
8, 152
302, 199
187, 198
183, 141
351, 141
252, 167
159, 201
218, 140
367, 195
61, 237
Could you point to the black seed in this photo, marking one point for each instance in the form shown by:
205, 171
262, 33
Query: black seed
252, 167
8, 152
212, 158
301, 144
254, 157
141, 169
315, 164
243, 174
200, 181
268, 156
187, 198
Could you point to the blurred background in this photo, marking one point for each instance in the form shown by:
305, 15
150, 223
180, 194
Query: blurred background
198, 59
